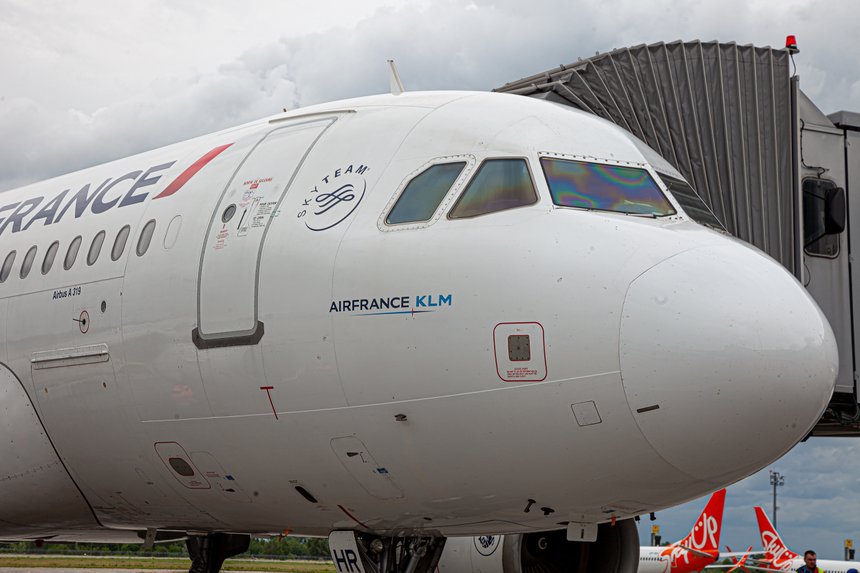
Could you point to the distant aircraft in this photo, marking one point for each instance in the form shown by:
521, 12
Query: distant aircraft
389, 320
700, 548
778, 558
697, 551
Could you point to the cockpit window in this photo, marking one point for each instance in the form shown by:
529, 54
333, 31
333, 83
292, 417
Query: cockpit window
692, 204
603, 187
499, 184
423, 194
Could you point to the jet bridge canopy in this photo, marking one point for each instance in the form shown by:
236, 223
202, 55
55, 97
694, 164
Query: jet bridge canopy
720, 113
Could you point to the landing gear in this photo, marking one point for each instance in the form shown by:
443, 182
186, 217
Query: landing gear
208, 552
364, 553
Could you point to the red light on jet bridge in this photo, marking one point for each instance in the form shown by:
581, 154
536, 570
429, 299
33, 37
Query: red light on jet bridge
791, 44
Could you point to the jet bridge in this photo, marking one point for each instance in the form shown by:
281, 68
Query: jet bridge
772, 167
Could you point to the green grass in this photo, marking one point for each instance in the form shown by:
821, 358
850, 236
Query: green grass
144, 563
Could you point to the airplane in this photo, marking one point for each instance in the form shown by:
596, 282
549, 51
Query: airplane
737, 563
693, 553
701, 547
389, 320
778, 558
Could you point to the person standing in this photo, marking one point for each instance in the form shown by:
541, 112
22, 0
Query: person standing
810, 563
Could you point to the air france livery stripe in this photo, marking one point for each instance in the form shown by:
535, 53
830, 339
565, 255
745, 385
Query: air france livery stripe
192, 170
97, 200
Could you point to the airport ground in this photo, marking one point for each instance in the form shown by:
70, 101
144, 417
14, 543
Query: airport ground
80, 564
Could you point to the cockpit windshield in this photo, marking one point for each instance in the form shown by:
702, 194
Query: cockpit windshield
692, 204
604, 187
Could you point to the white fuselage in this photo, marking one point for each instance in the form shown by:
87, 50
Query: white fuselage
826, 565
671, 559
653, 560
305, 343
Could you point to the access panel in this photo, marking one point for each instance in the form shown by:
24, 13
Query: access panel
520, 351
35, 487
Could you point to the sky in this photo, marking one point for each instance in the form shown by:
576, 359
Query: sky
86, 82
818, 507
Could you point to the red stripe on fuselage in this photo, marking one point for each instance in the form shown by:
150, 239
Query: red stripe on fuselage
192, 170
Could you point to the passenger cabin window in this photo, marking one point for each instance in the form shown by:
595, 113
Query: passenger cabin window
145, 237
119, 243
28, 262
601, 187
692, 204
7, 267
498, 185
72, 253
50, 255
95, 248
422, 195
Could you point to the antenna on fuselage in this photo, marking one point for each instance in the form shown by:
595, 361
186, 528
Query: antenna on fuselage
394, 79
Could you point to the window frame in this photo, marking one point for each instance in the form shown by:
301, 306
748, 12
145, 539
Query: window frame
647, 167
55, 247
143, 228
28, 264
76, 243
679, 208
7, 264
402, 193
474, 173
444, 204
838, 236
127, 229
92, 258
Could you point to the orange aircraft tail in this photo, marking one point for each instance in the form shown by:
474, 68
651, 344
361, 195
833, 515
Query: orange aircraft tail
705, 535
775, 550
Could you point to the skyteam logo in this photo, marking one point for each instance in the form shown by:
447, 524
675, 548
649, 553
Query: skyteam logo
334, 198
487, 544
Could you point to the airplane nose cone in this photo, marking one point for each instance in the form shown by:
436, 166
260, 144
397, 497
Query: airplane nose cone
727, 361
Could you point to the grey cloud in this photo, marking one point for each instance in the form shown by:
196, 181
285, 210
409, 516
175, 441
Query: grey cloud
448, 44
50, 141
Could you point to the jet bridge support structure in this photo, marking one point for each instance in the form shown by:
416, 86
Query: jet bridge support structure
771, 166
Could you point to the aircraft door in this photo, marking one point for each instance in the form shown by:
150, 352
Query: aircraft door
852, 165
227, 308
826, 252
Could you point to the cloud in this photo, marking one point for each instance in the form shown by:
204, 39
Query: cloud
448, 44
49, 141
